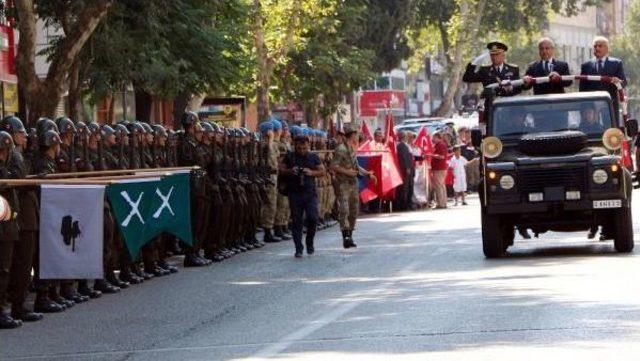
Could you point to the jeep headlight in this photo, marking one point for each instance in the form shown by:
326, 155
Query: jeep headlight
507, 182
600, 176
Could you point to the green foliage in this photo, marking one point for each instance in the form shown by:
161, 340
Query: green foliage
626, 47
167, 47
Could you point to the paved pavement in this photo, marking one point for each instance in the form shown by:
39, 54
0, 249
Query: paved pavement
417, 288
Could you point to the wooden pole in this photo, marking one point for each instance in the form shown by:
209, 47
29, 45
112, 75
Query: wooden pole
110, 172
38, 182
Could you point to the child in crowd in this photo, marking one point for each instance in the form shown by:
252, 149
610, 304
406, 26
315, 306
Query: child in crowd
457, 163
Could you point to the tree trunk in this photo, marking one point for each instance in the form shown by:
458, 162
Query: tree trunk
264, 73
143, 104
43, 96
180, 104
75, 96
470, 16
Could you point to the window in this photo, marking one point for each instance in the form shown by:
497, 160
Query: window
591, 117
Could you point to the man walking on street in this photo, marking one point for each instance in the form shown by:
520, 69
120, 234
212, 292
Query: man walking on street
345, 165
300, 169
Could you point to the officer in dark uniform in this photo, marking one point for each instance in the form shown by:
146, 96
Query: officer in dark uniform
24, 251
9, 232
300, 169
498, 71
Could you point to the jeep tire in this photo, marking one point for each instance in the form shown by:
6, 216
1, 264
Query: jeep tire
492, 235
623, 228
553, 143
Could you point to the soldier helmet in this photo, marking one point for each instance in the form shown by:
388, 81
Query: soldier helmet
44, 124
189, 118
147, 127
136, 128
285, 125
6, 141
121, 129
207, 127
12, 125
93, 127
106, 130
218, 129
159, 131
65, 125
50, 138
81, 127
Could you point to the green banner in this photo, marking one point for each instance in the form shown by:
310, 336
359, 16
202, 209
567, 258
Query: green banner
145, 209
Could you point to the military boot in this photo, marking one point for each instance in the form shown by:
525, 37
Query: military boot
347, 242
7, 322
55, 297
140, 273
45, 305
85, 290
127, 276
167, 266
269, 237
192, 260
114, 280
26, 316
105, 287
278, 232
353, 243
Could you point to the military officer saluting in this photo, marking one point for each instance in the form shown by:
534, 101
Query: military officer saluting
498, 71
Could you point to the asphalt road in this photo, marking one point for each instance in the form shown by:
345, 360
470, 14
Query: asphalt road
417, 288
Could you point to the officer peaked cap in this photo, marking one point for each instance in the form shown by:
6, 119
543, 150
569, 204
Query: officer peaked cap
496, 47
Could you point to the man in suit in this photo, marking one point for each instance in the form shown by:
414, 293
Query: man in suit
498, 70
547, 66
603, 64
407, 171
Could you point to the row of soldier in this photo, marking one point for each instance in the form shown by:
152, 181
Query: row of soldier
233, 194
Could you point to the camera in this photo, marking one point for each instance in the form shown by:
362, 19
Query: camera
299, 171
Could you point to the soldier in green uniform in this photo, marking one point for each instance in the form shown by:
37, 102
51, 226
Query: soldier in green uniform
9, 232
189, 154
24, 251
347, 170
283, 214
268, 211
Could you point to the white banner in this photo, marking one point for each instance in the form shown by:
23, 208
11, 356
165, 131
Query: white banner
71, 231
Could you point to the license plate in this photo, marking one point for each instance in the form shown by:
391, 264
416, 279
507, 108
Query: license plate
609, 203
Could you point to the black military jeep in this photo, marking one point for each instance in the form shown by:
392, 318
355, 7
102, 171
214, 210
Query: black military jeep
553, 163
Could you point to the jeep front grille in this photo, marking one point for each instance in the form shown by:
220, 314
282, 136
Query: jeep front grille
571, 177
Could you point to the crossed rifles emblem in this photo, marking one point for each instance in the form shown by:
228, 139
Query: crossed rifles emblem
135, 206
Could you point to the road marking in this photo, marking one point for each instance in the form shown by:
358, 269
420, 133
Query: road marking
327, 318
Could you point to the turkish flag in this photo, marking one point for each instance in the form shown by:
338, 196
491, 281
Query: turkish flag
423, 142
366, 133
626, 155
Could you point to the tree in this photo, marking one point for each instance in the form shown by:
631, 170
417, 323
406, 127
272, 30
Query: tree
165, 48
626, 47
78, 20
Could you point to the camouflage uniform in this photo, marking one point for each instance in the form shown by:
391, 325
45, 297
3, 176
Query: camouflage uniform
348, 186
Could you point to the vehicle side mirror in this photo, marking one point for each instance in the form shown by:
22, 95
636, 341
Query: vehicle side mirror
476, 137
632, 127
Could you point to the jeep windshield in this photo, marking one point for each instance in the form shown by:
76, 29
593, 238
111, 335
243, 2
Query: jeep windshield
592, 117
